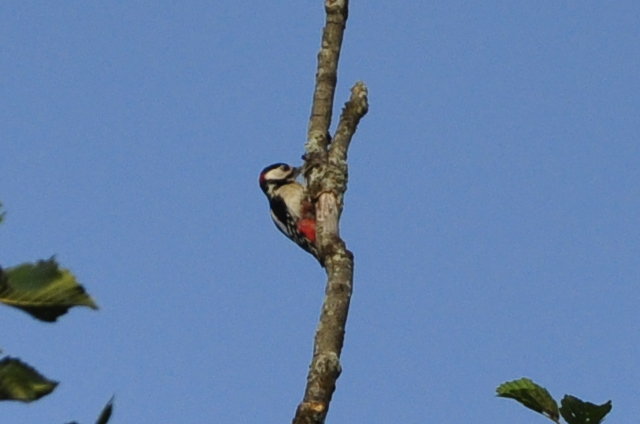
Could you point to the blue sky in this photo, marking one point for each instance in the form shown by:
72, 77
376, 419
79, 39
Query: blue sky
493, 206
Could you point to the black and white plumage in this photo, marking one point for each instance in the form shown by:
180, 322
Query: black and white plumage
291, 211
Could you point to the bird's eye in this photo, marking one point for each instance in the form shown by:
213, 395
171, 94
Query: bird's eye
285, 167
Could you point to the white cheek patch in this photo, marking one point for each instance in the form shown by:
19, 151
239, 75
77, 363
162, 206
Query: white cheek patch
277, 174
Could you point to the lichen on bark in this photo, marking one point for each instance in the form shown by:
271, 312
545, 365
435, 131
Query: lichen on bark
326, 172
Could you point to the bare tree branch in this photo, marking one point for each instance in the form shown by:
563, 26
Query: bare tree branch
326, 173
326, 78
353, 111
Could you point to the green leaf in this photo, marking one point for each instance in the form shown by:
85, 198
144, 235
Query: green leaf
43, 290
530, 395
575, 411
106, 413
19, 381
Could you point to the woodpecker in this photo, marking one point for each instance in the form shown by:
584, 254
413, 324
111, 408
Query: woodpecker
291, 210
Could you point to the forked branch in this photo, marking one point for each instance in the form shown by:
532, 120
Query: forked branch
326, 172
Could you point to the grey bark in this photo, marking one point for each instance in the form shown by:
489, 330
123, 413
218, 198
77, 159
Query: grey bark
326, 173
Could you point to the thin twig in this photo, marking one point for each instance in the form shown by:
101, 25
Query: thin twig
326, 78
